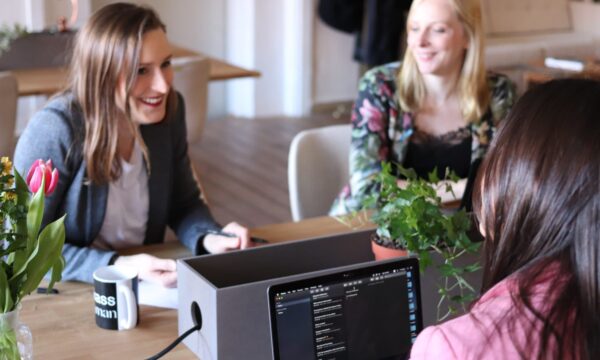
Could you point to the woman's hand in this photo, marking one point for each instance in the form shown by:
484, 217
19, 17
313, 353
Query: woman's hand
218, 244
402, 184
458, 188
152, 269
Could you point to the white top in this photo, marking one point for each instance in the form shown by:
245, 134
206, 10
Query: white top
126, 207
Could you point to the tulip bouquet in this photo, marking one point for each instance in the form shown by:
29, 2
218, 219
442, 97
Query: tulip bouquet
27, 253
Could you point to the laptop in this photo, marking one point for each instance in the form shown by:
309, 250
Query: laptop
369, 312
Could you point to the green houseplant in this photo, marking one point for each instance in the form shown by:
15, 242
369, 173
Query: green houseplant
27, 254
412, 218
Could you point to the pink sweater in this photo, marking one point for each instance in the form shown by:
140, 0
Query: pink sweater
473, 335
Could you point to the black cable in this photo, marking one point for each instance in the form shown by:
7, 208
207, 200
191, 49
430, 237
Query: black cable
175, 343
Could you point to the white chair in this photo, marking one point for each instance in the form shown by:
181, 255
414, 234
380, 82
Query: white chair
191, 79
317, 169
8, 112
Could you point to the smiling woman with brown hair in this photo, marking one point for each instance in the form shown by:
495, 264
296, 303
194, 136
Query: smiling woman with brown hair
117, 136
538, 201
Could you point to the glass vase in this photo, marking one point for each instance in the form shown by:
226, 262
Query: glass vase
15, 338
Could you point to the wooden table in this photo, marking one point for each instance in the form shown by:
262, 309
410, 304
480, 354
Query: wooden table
47, 81
64, 327
538, 73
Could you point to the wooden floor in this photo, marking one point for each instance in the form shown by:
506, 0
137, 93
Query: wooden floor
242, 164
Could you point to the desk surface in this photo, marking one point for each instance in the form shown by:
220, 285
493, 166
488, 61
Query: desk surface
64, 327
47, 81
537, 73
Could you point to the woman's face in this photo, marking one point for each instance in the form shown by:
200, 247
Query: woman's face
436, 38
148, 98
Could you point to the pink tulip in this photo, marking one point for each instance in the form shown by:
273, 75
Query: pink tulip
42, 170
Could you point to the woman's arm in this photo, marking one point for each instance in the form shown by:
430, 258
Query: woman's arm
458, 189
190, 217
503, 96
48, 136
53, 133
370, 144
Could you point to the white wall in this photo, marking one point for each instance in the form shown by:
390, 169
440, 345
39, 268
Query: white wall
240, 48
586, 17
275, 38
336, 75
39, 14
269, 57
54, 9
12, 12
302, 61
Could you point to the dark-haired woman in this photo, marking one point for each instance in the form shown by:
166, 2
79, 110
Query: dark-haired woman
537, 198
117, 137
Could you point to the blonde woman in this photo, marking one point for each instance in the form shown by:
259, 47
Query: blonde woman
437, 109
117, 136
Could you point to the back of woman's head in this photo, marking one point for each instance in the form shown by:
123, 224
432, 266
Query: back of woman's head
106, 49
538, 199
472, 82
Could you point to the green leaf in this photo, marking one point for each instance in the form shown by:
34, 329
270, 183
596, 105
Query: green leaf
409, 174
412, 217
49, 249
12, 247
19, 258
34, 221
20, 265
9, 348
472, 268
433, 176
35, 215
22, 191
473, 247
6, 301
447, 270
57, 270
424, 260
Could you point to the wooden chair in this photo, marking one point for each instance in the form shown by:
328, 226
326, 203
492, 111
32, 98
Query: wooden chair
8, 112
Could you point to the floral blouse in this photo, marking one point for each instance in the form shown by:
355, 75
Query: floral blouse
381, 131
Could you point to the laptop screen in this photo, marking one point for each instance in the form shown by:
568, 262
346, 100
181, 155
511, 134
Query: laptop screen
372, 312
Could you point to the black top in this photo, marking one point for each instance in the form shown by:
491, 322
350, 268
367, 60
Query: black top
452, 150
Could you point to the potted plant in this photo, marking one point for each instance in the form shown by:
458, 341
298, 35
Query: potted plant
26, 253
412, 219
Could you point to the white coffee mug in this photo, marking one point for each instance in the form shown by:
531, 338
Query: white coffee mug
115, 297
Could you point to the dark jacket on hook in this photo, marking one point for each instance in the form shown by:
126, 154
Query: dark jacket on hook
377, 41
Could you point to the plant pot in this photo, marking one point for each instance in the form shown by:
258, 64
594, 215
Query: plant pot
15, 338
382, 252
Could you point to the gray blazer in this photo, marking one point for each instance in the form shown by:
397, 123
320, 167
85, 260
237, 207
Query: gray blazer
56, 132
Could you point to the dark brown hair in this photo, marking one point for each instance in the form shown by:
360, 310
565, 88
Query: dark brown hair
538, 198
107, 46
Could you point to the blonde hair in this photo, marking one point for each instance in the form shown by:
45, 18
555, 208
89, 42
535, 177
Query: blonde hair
472, 84
107, 47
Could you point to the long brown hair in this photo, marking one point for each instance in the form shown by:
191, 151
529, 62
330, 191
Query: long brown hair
472, 83
107, 47
538, 198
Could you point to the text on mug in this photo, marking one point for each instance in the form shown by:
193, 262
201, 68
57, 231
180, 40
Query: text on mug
104, 300
107, 314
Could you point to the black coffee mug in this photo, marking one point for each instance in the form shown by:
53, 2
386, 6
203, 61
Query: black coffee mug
115, 297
